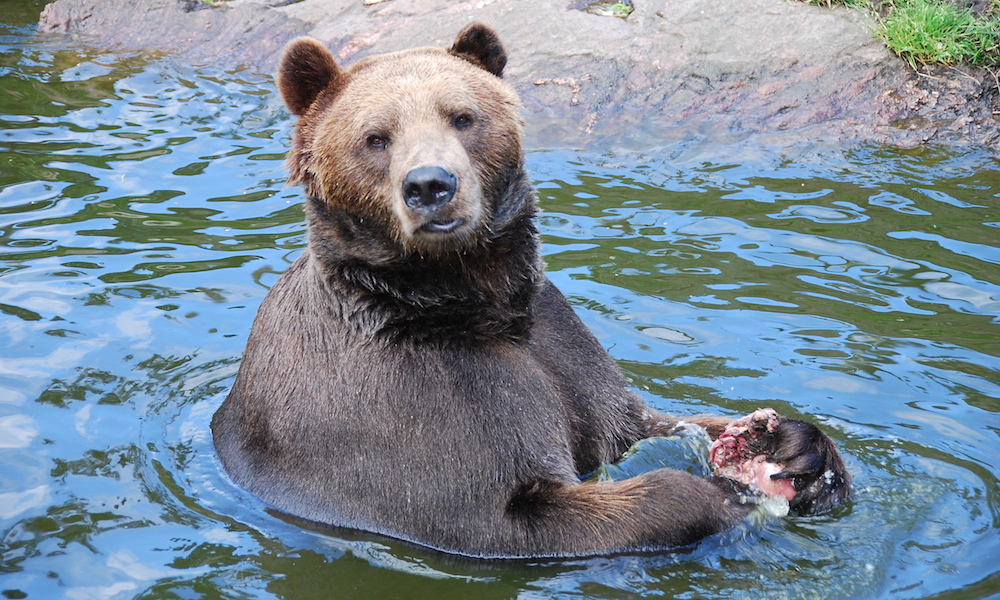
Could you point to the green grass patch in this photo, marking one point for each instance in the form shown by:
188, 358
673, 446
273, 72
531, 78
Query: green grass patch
862, 4
932, 31
610, 8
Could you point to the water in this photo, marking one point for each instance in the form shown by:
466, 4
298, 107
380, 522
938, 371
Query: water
143, 215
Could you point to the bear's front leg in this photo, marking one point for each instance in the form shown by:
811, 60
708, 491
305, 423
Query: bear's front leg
656, 510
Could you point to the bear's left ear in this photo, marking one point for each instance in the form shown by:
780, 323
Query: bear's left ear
306, 69
481, 46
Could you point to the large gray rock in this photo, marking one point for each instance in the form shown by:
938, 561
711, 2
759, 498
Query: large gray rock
779, 72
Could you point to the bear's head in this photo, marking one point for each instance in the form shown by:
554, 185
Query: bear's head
419, 148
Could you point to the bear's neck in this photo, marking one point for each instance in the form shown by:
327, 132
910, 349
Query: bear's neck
483, 294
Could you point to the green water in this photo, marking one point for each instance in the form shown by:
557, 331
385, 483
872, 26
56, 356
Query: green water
143, 216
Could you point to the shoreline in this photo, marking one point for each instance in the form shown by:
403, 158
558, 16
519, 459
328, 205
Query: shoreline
771, 71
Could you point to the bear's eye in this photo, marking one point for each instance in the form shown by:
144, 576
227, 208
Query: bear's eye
377, 142
462, 121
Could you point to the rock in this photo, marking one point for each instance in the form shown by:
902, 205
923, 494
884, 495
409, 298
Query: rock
776, 72
235, 33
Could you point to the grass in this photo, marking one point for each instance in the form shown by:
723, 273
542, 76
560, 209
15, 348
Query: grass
931, 31
934, 31
847, 3
610, 8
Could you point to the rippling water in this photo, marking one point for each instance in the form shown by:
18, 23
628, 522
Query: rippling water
143, 215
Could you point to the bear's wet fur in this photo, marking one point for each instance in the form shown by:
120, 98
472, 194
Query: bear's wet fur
414, 373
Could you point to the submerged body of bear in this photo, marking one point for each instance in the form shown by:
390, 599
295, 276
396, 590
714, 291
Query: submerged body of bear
415, 374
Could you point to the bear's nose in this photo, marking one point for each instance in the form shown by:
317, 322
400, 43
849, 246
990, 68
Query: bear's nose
427, 189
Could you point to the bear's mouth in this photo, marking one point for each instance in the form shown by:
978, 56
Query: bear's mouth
443, 226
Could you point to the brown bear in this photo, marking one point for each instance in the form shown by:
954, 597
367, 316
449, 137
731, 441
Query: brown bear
415, 374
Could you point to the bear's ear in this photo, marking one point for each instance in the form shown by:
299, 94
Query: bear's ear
305, 70
481, 46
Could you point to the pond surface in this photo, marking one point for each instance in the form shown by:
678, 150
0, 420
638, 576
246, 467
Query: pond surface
143, 216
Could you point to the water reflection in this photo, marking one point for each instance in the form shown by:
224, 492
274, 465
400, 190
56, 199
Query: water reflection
143, 216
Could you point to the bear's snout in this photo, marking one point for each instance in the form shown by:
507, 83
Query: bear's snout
427, 189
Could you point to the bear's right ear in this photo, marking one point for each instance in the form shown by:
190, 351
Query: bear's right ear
305, 70
481, 46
